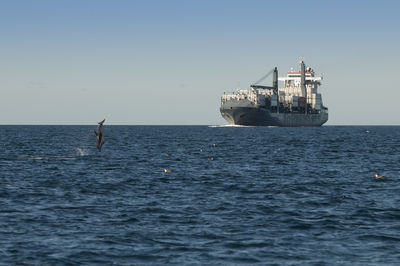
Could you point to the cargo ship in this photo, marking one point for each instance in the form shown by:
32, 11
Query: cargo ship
296, 104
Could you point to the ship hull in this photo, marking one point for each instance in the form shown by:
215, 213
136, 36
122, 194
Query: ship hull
258, 116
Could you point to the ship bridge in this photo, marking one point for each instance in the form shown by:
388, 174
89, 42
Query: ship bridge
294, 78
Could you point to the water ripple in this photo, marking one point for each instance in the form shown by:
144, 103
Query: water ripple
267, 196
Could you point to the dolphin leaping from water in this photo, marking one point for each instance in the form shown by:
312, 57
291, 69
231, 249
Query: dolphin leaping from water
99, 135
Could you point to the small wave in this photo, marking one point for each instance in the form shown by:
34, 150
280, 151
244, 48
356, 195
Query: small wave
33, 157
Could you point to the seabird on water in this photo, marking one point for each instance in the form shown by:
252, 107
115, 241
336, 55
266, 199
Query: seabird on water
378, 176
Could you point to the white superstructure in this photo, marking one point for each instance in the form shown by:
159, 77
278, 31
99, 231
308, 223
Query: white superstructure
292, 90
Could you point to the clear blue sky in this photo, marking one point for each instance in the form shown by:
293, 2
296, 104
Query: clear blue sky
168, 62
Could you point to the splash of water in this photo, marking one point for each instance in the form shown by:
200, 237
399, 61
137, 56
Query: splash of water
81, 152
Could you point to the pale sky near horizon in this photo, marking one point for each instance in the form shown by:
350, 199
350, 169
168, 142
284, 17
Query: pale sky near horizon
168, 62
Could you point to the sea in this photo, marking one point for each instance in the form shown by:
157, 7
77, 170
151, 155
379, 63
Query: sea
200, 195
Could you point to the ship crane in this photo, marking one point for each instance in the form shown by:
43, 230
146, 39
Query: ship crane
274, 82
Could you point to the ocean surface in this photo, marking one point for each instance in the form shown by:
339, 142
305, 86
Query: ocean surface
235, 195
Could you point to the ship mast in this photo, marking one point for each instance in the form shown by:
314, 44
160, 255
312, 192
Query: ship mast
275, 86
303, 83
275, 80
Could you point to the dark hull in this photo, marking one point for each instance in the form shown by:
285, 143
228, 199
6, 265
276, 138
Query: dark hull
257, 116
